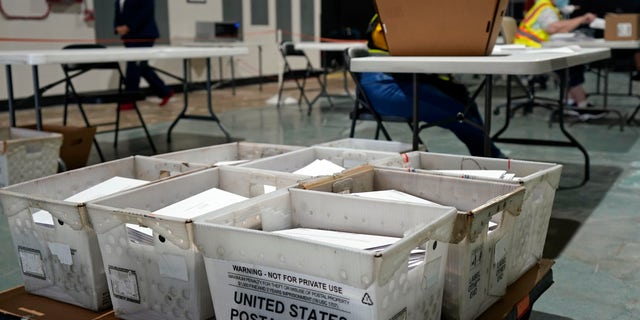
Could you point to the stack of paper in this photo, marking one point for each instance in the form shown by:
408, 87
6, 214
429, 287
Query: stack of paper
352, 240
394, 195
319, 167
189, 208
108, 187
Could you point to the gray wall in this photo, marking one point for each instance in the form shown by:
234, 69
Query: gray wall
283, 18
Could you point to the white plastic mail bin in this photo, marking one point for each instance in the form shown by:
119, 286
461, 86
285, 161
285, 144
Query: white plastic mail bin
368, 144
233, 153
539, 179
27, 154
476, 275
292, 161
163, 277
256, 273
61, 259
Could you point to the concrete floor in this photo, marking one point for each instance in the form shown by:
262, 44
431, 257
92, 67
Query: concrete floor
593, 233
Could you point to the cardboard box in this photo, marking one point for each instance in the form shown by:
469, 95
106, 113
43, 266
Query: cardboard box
76, 143
441, 28
622, 26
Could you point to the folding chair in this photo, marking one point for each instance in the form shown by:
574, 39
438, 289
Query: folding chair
362, 108
299, 75
118, 96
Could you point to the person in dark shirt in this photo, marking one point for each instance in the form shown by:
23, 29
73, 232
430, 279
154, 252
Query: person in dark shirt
135, 24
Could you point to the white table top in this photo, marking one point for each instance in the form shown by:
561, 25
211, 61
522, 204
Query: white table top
594, 43
58, 56
501, 62
219, 44
329, 46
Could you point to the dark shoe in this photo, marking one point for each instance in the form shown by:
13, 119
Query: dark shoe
635, 76
127, 106
166, 98
585, 114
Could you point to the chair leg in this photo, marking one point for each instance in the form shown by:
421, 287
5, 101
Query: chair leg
117, 130
633, 115
144, 126
280, 93
323, 88
65, 110
302, 94
352, 132
98, 149
87, 124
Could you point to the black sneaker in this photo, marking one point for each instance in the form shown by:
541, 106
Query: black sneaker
635, 76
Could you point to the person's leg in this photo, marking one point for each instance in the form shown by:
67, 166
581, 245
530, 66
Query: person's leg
132, 76
636, 73
437, 106
392, 98
576, 89
155, 83
142, 69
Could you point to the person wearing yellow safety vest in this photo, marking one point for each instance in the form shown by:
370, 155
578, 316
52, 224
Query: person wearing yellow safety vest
545, 19
440, 98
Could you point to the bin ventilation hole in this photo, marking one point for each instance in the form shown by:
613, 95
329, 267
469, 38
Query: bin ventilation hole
60, 222
161, 238
435, 245
220, 251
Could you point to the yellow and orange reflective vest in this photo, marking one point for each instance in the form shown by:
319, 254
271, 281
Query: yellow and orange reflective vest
529, 31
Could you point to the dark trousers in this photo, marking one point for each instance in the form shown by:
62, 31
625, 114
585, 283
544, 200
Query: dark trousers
137, 69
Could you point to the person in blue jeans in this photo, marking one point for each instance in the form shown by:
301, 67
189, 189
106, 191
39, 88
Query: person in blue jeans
136, 25
439, 98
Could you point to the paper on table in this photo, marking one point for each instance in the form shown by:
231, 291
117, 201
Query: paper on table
563, 36
105, 188
565, 49
598, 23
319, 167
508, 47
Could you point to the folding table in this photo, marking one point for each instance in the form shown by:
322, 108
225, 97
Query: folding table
501, 62
35, 58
